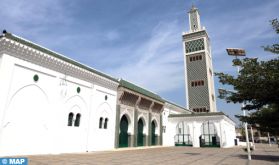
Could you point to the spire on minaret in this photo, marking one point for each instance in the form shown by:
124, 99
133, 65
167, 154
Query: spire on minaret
194, 19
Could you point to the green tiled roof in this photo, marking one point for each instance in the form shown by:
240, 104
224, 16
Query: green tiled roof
178, 106
54, 54
140, 90
197, 114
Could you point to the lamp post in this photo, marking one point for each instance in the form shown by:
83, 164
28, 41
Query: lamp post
252, 136
241, 52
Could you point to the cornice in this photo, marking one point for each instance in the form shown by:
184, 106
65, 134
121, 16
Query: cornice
194, 35
40, 58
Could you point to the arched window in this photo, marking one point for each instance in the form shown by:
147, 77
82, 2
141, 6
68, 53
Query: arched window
77, 121
106, 123
70, 119
100, 122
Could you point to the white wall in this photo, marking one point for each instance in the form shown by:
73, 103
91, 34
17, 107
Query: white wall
34, 115
225, 130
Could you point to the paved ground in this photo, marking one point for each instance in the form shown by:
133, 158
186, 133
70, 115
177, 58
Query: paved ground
264, 154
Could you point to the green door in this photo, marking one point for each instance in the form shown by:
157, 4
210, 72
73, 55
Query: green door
140, 133
153, 136
123, 136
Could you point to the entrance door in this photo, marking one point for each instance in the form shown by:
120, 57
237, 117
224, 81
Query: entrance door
214, 141
153, 136
140, 132
123, 136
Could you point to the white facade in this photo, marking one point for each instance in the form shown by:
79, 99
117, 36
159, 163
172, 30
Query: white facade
50, 104
184, 128
39, 91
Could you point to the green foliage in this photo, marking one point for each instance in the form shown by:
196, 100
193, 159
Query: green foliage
257, 85
266, 119
275, 47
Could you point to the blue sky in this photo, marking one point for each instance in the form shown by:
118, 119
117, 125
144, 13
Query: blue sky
140, 41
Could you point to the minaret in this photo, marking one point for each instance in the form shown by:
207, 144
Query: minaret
199, 83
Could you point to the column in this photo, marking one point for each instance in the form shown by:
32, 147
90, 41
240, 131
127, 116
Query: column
196, 134
117, 122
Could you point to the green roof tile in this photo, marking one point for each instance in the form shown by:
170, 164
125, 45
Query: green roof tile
197, 114
140, 90
178, 106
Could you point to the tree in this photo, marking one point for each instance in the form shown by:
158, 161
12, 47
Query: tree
257, 85
275, 47
265, 120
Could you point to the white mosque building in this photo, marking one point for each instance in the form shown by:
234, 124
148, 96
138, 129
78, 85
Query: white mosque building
50, 104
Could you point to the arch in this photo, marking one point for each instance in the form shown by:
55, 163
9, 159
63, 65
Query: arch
27, 86
104, 106
127, 115
26, 115
104, 111
183, 137
209, 137
77, 120
70, 118
155, 120
153, 132
123, 135
140, 134
143, 118
77, 97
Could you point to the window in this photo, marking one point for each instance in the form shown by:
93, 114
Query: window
195, 58
70, 119
197, 83
203, 109
77, 121
100, 122
106, 123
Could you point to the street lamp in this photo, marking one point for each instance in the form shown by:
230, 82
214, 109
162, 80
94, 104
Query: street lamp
241, 52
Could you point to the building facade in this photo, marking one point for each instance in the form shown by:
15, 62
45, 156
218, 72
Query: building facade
50, 104
139, 116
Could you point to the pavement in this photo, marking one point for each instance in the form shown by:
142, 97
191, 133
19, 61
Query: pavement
263, 155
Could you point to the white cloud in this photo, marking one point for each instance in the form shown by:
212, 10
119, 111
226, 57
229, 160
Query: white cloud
32, 16
156, 67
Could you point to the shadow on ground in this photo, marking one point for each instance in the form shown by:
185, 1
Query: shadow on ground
271, 158
192, 153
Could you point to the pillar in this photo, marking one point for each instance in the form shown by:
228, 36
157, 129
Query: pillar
117, 122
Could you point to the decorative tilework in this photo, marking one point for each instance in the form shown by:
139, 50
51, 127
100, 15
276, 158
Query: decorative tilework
194, 45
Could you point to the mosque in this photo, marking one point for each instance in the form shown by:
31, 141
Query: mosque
51, 104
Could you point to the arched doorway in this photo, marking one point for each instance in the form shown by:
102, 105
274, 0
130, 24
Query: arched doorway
182, 137
153, 135
140, 137
123, 136
209, 137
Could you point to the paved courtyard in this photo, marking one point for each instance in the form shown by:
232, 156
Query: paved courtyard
264, 154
